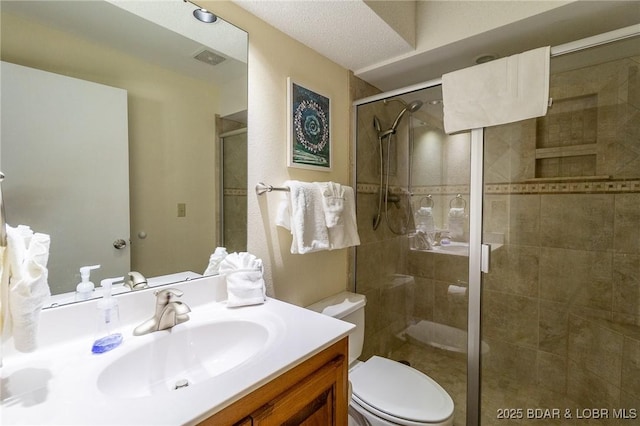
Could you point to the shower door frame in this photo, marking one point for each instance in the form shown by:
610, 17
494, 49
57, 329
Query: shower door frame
479, 253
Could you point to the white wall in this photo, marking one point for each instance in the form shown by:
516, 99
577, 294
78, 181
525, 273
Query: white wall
273, 56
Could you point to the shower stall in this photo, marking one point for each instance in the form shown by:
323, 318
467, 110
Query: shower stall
505, 262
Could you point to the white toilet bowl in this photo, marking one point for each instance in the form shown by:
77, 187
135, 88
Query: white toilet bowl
385, 392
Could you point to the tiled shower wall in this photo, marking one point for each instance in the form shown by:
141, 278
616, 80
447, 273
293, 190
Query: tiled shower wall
563, 293
561, 305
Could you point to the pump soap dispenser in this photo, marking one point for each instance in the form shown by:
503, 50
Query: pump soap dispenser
85, 288
108, 336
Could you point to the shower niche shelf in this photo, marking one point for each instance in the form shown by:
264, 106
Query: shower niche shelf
567, 139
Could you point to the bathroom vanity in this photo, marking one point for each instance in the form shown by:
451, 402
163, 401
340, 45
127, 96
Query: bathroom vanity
262, 364
314, 392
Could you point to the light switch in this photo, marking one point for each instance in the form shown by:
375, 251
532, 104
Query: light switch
182, 210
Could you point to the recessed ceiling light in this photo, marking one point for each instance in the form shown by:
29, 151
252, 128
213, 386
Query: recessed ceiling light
485, 57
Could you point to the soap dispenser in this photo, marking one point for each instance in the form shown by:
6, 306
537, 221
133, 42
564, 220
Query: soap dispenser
107, 335
84, 290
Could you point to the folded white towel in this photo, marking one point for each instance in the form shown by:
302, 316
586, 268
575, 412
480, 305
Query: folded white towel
302, 212
332, 202
456, 212
214, 261
456, 223
245, 283
423, 219
497, 92
345, 234
28, 288
307, 223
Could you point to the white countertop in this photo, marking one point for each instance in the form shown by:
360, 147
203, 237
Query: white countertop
57, 384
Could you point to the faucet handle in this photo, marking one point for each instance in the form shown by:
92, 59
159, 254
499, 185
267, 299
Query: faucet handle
165, 296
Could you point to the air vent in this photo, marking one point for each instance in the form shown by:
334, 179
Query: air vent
208, 57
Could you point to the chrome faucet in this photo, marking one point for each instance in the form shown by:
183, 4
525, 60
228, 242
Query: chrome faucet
168, 313
136, 281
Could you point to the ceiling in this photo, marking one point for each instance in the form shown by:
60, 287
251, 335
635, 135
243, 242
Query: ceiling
380, 56
167, 36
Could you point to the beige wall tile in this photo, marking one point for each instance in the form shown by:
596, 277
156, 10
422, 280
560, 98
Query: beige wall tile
578, 277
553, 327
510, 318
578, 221
514, 269
626, 284
596, 349
627, 218
589, 390
631, 368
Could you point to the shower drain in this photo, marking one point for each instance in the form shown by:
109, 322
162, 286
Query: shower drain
182, 383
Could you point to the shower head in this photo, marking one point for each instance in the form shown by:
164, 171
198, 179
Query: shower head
376, 124
412, 107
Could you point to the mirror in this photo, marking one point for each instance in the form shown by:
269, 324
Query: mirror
177, 111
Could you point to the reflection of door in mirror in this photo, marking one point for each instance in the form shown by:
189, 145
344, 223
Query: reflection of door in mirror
234, 190
172, 101
65, 149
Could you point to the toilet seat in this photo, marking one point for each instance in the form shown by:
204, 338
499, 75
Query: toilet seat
399, 393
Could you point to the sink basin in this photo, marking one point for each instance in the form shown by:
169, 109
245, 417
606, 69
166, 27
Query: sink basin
184, 356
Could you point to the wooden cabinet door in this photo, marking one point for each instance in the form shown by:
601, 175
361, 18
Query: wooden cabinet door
310, 403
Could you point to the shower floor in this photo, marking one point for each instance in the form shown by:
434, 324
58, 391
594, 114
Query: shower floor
449, 369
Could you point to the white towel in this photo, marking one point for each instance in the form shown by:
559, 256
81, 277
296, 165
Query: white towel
423, 219
345, 234
302, 212
497, 92
245, 283
28, 289
456, 222
214, 261
332, 202
306, 218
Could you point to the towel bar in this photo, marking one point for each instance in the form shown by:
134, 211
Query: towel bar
261, 188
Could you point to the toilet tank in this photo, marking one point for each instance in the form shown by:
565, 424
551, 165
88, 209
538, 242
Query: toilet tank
346, 306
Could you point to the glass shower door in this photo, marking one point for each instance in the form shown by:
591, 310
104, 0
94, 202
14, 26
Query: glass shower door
561, 302
413, 263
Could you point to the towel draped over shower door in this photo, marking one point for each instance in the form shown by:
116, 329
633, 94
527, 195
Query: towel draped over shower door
502, 91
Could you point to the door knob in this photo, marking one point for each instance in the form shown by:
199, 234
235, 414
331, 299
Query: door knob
120, 244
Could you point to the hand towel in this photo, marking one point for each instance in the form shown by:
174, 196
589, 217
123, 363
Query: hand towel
307, 222
501, 91
332, 202
245, 284
456, 223
423, 219
345, 234
28, 289
214, 261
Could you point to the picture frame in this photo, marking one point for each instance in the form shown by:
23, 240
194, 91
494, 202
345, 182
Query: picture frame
309, 128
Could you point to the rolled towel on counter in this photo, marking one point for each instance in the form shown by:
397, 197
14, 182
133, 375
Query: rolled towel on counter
28, 284
245, 283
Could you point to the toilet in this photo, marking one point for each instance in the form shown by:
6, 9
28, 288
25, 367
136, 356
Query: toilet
385, 392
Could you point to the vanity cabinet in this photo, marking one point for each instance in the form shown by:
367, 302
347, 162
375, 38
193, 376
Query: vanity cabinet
314, 393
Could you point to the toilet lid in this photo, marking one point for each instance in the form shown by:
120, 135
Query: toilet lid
400, 391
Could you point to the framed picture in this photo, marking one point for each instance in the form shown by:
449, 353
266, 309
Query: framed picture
309, 122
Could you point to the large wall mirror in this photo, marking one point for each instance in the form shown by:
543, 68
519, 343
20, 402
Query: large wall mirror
144, 192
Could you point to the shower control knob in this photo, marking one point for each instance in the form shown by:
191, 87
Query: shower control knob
120, 244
